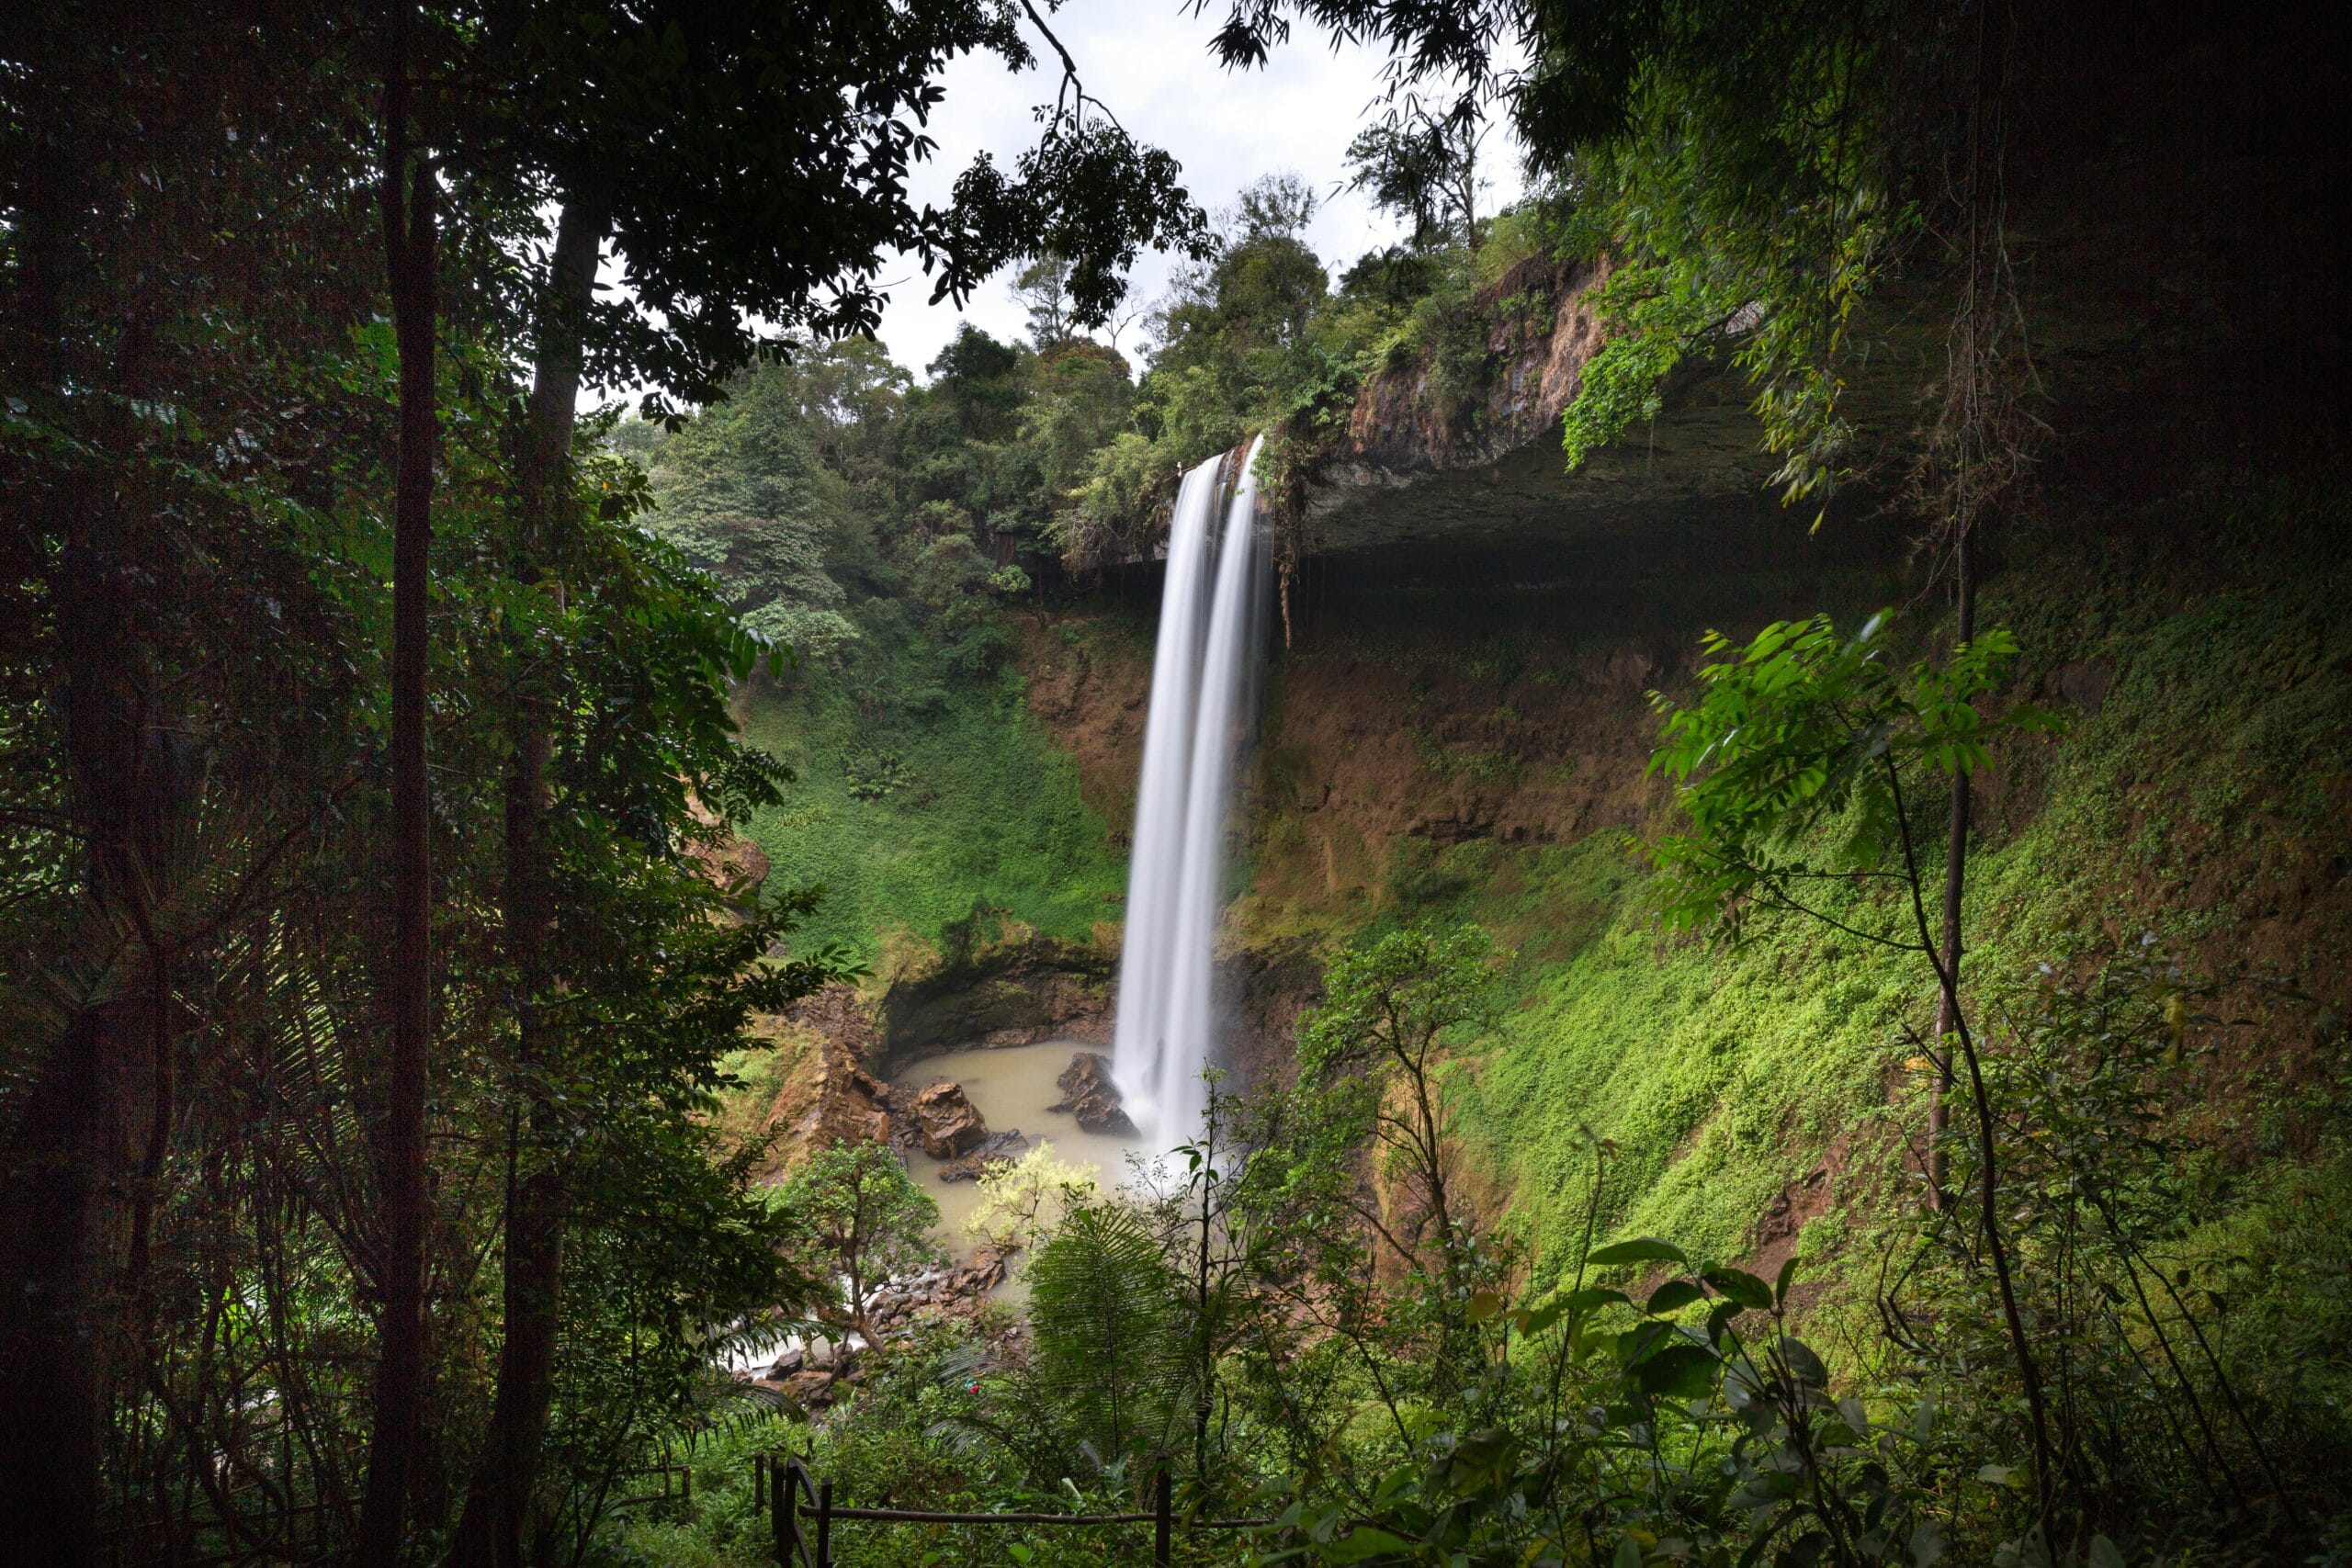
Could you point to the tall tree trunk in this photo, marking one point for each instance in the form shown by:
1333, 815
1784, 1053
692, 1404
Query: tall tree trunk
49, 1390
1955, 875
1981, 379
409, 192
90, 1135
70, 1170
499, 1498
63, 1207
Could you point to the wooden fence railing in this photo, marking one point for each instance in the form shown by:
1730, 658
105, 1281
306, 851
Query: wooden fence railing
780, 1483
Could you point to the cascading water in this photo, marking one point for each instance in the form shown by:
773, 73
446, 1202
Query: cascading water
1202, 692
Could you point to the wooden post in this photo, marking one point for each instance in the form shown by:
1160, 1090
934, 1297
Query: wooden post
1159, 1525
825, 1523
788, 1513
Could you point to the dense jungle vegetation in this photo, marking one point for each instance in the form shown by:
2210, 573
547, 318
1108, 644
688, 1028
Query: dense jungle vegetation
390, 1003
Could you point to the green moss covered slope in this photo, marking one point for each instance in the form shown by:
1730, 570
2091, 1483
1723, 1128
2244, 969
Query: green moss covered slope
1755, 1091
916, 814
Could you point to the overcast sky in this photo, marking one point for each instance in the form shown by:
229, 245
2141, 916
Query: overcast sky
1149, 61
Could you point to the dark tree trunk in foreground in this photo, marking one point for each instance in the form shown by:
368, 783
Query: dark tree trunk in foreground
410, 196
88, 1132
499, 1499
50, 1248
61, 1225
92, 1135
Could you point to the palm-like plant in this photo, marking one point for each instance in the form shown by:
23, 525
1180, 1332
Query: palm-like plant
1109, 1343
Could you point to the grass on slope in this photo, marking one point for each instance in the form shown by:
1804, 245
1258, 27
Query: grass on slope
2199, 796
1720, 1074
919, 802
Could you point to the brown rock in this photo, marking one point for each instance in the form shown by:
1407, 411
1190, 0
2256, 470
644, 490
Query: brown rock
729, 862
845, 1105
837, 1013
999, 1149
824, 1095
1089, 1094
948, 1120
905, 1133
811, 1389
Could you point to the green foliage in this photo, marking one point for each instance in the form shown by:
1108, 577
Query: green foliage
1731, 1077
1235, 330
858, 1218
738, 491
1108, 1350
866, 520
1709, 1429
1750, 177
1708, 1442
1621, 384
1393, 1001
1422, 168
2095, 1084
224, 489
1251, 341
955, 799
1747, 173
874, 775
1803, 731
1023, 1202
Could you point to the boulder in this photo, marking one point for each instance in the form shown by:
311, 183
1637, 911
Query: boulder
948, 1121
982, 1273
1089, 1094
843, 1105
1000, 1149
810, 1389
729, 862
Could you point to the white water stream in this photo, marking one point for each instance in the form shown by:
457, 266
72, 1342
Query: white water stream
1204, 689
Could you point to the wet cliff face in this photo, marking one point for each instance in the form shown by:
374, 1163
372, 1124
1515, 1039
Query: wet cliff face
1486, 687
1417, 469
1498, 686
1005, 986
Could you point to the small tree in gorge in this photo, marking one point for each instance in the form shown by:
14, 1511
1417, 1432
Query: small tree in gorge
1802, 765
858, 1219
1376, 1044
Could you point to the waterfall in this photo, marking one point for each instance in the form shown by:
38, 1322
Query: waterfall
1204, 688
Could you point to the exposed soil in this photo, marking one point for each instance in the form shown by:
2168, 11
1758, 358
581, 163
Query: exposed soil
1089, 682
